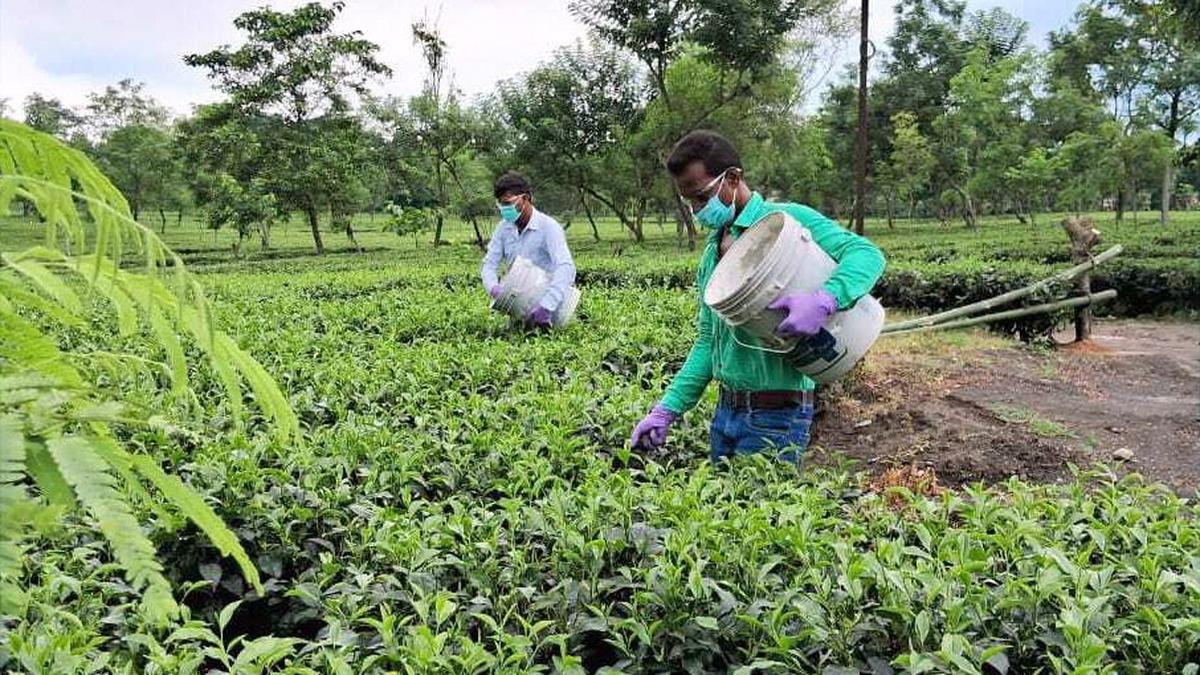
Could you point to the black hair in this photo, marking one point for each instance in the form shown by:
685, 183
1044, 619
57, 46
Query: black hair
712, 149
512, 183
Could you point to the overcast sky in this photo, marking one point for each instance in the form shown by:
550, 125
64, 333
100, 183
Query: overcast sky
67, 48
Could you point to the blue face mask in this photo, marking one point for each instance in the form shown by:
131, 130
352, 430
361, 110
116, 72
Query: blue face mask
716, 213
509, 213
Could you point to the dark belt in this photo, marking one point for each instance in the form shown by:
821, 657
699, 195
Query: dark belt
764, 400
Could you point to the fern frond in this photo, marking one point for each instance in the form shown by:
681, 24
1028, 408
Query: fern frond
45, 473
223, 368
47, 394
12, 291
25, 381
176, 364
119, 460
44, 280
14, 500
129, 293
99, 493
199, 512
12, 451
127, 316
266, 392
22, 343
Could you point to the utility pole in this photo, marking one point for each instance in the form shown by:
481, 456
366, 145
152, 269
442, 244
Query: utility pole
860, 199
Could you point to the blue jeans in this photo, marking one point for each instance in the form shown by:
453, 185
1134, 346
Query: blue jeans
746, 431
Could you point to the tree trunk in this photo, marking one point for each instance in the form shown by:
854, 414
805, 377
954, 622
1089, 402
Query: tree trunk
316, 229
264, 235
1166, 194
968, 208
629, 224
891, 210
437, 230
443, 202
162, 217
345, 222
588, 211
179, 218
689, 223
135, 208
478, 235
639, 219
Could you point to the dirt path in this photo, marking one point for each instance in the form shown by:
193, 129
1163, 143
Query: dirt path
988, 411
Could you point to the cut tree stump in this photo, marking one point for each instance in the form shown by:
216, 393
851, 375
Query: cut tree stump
1083, 235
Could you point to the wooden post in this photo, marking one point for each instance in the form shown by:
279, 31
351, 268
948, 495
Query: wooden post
1083, 235
860, 178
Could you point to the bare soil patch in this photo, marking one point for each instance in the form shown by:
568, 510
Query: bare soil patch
979, 410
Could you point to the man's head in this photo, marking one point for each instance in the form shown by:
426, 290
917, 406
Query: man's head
512, 190
705, 164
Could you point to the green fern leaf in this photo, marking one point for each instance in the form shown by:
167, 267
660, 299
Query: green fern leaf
22, 343
11, 289
12, 451
44, 279
109, 285
223, 367
199, 512
176, 364
12, 496
266, 392
120, 461
8, 166
99, 493
49, 394
53, 485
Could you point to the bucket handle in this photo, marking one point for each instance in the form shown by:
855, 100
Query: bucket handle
733, 331
758, 348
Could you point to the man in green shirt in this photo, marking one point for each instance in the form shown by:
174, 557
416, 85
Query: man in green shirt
765, 404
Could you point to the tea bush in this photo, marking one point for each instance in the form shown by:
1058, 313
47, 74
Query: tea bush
463, 503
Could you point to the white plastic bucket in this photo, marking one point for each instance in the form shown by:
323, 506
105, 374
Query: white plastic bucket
774, 257
524, 286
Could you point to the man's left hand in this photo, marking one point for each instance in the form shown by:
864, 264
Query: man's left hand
540, 317
807, 312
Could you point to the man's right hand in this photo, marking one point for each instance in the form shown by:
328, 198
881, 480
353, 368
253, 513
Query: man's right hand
651, 432
494, 291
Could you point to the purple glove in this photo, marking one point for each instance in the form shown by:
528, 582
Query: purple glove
494, 291
651, 432
807, 312
540, 317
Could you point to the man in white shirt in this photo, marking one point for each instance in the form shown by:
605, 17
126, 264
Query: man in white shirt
527, 233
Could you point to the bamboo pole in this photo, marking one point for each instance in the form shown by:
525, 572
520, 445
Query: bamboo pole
1003, 298
1015, 313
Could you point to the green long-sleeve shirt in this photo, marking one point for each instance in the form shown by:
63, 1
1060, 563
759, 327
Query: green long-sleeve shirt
716, 355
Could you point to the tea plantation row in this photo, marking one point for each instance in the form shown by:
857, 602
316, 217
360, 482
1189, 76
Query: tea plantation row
463, 503
930, 266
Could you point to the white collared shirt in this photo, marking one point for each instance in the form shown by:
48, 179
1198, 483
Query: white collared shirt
543, 243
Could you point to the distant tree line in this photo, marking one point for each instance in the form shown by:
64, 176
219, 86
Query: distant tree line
966, 118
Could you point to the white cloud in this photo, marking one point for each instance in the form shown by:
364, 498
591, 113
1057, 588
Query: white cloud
67, 48
20, 75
